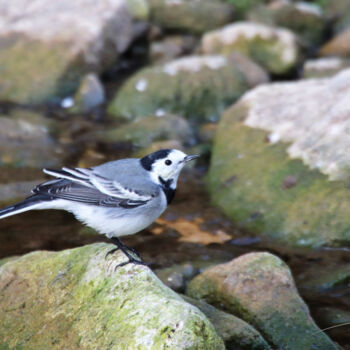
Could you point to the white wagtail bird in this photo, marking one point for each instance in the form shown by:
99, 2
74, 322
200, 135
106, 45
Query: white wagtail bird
118, 198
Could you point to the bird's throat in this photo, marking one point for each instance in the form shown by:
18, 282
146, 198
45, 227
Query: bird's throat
168, 190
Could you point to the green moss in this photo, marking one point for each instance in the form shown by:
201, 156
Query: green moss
248, 180
75, 299
198, 96
36, 72
277, 311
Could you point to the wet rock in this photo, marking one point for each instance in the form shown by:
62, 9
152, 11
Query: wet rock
236, 333
61, 42
144, 132
196, 87
275, 49
259, 288
327, 278
171, 47
283, 130
155, 146
324, 67
90, 94
80, 301
26, 140
190, 16
304, 19
337, 46
176, 277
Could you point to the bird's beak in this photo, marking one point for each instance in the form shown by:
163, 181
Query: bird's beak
191, 157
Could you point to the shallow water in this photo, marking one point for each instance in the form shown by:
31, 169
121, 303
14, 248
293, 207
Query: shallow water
180, 236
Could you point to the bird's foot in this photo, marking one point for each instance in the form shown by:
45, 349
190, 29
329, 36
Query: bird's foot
131, 261
111, 252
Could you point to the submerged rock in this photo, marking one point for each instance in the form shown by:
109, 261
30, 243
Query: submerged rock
26, 139
61, 41
280, 162
75, 299
196, 87
259, 288
190, 16
144, 132
275, 49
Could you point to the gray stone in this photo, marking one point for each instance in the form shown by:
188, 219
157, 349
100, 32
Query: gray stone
259, 288
196, 87
280, 164
76, 299
324, 67
275, 49
144, 132
90, 94
190, 16
61, 41
26, 140
236, 333
303, 18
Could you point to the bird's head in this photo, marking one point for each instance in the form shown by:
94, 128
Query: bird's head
165, 165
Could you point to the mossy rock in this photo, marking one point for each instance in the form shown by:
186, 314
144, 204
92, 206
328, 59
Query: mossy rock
259, 288
275, 49
32, 71
305, 19
237, 334
196, 87
190, 16
144, 132
76, 299
274, 175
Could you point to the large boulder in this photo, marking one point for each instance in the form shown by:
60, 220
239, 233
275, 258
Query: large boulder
76, 299
47, 47
195, 87
259, 288
275, 49
280, 163
191, 16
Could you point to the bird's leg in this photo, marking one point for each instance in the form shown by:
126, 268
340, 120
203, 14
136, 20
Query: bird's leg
126, 250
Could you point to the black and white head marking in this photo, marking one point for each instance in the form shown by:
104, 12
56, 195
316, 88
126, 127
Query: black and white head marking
164, 167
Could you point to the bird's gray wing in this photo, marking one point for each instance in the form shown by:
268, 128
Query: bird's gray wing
83, 185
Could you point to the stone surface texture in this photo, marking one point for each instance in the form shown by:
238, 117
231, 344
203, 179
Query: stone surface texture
60, 41
75, 299
259, 288
197, 87
280, 163
275, 49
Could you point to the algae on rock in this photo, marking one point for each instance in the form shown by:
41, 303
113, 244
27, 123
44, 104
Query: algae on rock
259, 288
196, 87
75, 299
274, 156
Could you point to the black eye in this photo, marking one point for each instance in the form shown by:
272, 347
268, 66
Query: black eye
168, 162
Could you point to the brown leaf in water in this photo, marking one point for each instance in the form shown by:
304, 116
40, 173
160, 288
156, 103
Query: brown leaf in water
190, 231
